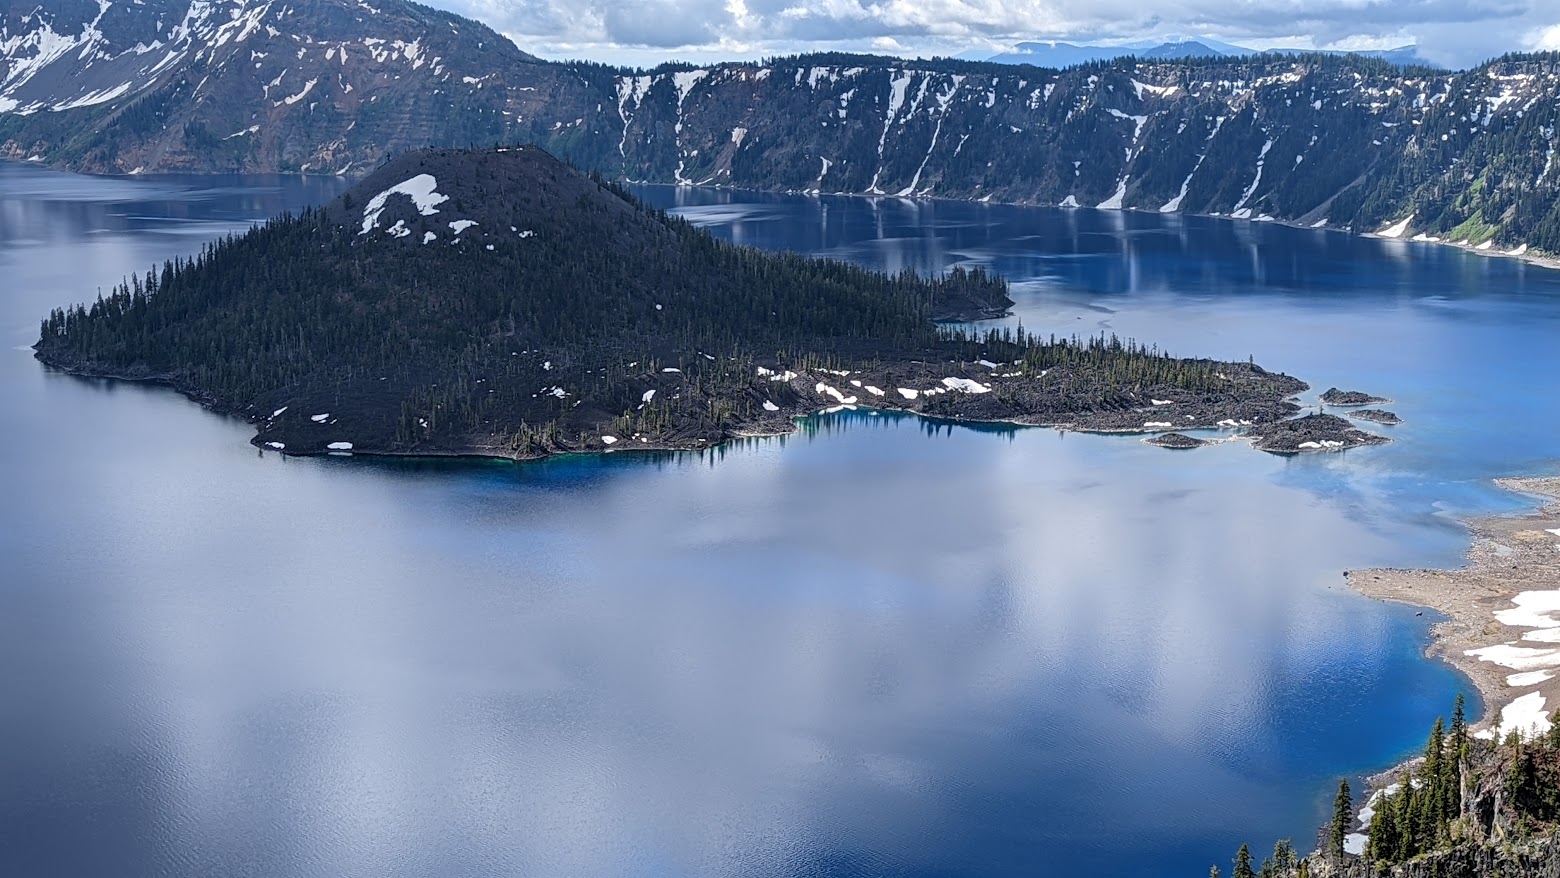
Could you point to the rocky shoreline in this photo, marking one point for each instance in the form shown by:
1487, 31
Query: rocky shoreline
1259, 406
1496, 629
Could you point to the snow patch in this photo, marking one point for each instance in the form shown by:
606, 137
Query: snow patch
1517, 658
293, 99
966, 385
896, 99
1114, 201
1255, 182
1525, 716
1397, 229
1533, 609
422, 189
1163, 91
830, 390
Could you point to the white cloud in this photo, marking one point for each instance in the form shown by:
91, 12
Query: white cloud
1457, 32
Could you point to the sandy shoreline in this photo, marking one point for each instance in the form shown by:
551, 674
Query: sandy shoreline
1498, 629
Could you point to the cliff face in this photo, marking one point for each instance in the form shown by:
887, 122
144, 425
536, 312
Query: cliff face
335, 86
1503, 824
1539, 858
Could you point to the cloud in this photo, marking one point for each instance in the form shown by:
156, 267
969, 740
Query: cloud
1458, 32
1547, 39
668, 23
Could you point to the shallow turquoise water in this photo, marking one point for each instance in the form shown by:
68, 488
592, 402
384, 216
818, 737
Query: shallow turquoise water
882, 646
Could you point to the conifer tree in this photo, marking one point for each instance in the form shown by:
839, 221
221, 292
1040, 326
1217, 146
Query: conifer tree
1284, 856
1429, 799
1459, 754
1342, 819
1384, 836
1243, 864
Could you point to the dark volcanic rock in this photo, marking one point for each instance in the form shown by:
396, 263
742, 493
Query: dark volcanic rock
1378, 416
1175, 440
1334, 396
1312, 433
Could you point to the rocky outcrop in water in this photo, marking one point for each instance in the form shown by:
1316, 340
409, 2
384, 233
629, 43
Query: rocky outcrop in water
1334, 396
1175, 440
1377, 416
1312, 433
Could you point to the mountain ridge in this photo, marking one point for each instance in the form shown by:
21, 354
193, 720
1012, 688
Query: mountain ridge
1057, 53
337, 86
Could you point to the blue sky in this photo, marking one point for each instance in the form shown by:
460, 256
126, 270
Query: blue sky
1453, 32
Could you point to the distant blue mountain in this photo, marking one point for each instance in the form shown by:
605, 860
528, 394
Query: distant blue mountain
1057, 54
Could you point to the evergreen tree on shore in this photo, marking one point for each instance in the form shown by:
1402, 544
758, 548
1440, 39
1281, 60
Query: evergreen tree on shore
1342, 819
1243, 864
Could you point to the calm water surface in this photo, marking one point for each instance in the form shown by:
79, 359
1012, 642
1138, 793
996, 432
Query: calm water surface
878, 647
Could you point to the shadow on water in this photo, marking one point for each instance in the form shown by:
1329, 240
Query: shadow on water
571, 468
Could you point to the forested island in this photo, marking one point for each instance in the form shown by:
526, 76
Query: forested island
500, 303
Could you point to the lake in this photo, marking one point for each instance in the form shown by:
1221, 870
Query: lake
880, 646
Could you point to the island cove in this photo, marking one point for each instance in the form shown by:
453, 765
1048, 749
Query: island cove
498, 303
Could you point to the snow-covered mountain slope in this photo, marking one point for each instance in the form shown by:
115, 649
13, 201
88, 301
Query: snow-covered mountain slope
336, 86
238, 84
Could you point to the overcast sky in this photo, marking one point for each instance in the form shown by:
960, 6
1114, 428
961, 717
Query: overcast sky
645, 32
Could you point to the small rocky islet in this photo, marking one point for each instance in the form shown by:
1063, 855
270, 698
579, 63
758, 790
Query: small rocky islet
499, 303
1175, 440
1377, 416
1317, 432
1334, 396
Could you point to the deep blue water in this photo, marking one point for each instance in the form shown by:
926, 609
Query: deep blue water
881, 646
